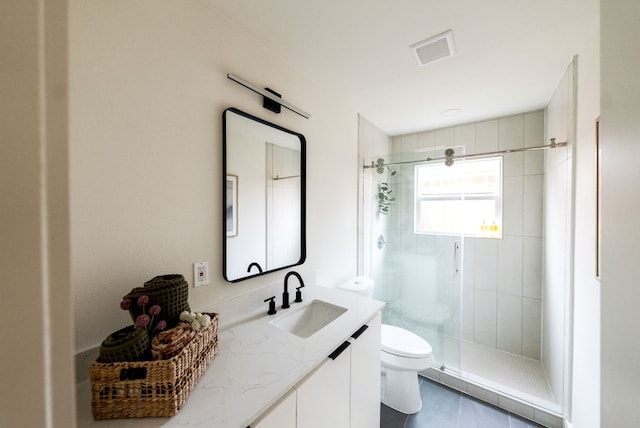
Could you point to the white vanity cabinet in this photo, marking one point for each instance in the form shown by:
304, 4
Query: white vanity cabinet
282, 415
343, 392
324, 397
365, 376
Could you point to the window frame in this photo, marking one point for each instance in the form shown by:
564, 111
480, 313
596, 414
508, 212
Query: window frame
497, 196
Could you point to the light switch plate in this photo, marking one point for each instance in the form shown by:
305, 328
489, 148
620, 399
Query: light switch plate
200, 273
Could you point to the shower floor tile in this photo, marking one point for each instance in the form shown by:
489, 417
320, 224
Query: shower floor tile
513, 375
519, 376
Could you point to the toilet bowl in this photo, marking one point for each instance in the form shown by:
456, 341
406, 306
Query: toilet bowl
402, 355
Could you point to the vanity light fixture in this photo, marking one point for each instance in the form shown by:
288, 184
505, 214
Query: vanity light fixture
271, 100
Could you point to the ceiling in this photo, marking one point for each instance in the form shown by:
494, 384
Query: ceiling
510, 54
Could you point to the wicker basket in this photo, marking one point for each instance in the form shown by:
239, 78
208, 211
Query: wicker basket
152, 388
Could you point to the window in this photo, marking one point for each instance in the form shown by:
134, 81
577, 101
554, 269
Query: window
465, 198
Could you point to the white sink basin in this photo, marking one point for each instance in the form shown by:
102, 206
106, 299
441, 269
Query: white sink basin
307, 320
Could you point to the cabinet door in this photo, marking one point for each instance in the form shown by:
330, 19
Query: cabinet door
282, 415
365, 377
324, 397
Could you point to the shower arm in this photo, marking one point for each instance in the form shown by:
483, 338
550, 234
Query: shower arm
449, 158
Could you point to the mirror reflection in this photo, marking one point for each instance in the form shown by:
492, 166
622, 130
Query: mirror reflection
264, 191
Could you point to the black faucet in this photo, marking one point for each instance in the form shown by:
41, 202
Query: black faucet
272, 304
285, 295
256, 265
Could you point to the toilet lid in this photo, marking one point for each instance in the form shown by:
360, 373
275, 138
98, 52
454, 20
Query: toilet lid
398, 341
358, 284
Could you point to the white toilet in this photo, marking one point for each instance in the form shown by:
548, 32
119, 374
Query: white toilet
402, 355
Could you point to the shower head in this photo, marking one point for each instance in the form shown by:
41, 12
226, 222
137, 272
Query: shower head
392, 172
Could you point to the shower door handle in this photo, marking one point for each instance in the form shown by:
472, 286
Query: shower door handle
456, 258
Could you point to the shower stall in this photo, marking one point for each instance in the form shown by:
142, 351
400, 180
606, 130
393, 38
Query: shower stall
458, 228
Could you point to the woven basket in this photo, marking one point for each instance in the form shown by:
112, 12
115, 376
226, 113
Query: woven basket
141, 389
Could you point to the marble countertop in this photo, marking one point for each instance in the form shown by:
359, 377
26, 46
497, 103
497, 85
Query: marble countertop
257, 363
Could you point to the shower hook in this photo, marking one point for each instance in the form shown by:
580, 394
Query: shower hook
380, 165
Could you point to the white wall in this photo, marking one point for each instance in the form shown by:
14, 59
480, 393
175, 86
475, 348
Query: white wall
148, 87
585, 387
620, 144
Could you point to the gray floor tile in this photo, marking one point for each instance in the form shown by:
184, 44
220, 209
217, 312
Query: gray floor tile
440, 407
443, 407
390, 418
477, 414
518, 422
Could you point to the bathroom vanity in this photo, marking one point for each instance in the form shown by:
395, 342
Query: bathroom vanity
268, 374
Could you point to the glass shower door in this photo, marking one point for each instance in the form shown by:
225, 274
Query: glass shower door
416, 255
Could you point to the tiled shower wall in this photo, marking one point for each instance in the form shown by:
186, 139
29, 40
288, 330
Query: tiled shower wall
502, 278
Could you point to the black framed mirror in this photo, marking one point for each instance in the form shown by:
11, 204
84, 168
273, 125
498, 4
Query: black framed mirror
264, 184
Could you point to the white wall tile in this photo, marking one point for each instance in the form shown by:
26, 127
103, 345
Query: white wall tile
487, 136
509, 323
531, 328
467, 313
484, 317
453, 382
534, 128
431, 374
396, 144
511, 132
483, 394
465, 135
486, 264
445, 137
468, 262
532, 205
532, 267
510, 265
516, 407
512, 206
513, 164
409, 146
547, 419
534, 162
426, 140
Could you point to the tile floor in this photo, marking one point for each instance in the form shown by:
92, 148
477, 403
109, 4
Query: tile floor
443, 407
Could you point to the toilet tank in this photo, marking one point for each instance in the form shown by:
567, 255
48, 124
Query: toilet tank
360, 285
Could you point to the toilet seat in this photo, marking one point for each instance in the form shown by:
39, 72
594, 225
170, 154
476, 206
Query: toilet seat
403, 343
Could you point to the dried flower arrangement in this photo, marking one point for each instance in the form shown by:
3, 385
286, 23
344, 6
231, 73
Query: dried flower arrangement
144, 321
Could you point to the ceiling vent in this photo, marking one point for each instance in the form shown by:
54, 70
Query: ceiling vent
434, 48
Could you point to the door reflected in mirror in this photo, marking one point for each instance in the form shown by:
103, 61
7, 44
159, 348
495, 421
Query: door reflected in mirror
264, 196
